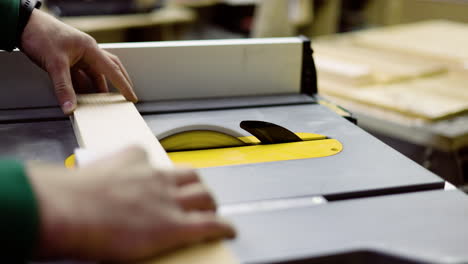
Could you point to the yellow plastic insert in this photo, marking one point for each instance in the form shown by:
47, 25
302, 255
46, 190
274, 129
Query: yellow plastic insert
314, 146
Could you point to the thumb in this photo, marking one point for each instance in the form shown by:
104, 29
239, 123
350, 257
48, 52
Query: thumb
59, 73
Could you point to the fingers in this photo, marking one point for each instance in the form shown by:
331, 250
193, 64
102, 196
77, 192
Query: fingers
179, 177
99, 61
81, 82
130, 155
89, 81
99, 81
199, 227
184, 176
195, 197
59, 73
117, 61
190, 193
116, 75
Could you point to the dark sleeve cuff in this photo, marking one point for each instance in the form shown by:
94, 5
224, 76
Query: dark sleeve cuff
9, 14
19, 219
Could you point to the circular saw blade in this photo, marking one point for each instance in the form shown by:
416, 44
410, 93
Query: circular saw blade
199, 139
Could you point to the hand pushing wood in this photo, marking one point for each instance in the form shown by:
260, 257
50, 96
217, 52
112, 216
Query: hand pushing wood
122, 209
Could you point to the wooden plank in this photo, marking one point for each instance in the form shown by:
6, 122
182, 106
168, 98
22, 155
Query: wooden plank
342, 71
427, 86
385, 67
433, 98
208, 253
437, 39
271, 20
106, 122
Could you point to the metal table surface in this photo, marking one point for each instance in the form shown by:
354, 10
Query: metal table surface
421, 227
365, 167
49, 141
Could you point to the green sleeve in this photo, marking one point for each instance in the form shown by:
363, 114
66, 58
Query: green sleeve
19, 218
9, 13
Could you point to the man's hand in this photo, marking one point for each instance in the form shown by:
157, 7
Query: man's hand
121, 209
68, 54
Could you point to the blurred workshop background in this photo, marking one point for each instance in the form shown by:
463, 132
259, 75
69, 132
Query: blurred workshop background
400, 66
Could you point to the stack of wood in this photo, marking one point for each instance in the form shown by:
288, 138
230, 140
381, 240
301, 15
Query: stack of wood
418, 71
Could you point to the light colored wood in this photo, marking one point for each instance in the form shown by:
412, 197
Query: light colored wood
385, 67
281, 18
431, 99
445, 41
106, 122
341, 71
301, 12
419, 69
271, 19
208, 253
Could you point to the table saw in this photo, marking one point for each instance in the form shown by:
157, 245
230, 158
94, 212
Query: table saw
336, 194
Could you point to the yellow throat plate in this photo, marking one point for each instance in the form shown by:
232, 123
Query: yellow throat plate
312, 146
217, 150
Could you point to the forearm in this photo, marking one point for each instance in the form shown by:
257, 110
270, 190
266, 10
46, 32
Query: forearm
9, 14
19, 213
